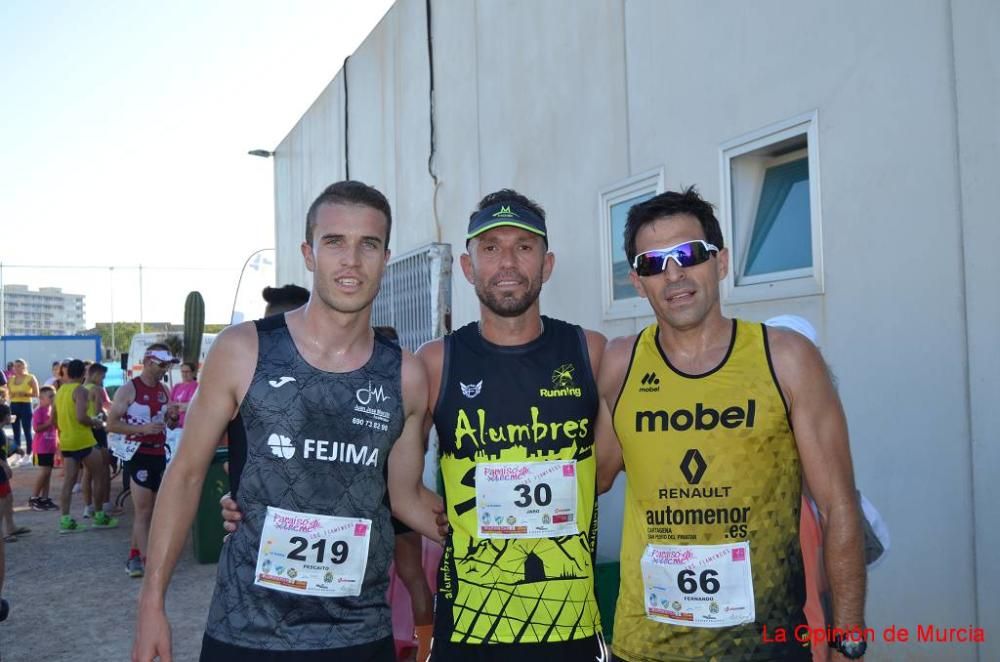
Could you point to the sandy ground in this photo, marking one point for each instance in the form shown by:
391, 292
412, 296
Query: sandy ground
70, 597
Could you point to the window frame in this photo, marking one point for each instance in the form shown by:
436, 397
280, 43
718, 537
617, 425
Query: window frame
800, 282
650, 181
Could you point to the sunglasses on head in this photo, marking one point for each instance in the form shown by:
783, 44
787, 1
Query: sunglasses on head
688, 254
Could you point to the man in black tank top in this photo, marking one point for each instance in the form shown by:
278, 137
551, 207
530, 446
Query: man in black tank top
326, 417
514, 395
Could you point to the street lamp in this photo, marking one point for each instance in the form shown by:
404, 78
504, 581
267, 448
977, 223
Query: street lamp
263, 153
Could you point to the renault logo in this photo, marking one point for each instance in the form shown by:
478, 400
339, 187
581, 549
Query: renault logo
693, 466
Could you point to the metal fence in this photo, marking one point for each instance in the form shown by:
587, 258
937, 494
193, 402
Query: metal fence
415, 298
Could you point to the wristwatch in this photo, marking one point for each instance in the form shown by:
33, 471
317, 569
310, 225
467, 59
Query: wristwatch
852, 649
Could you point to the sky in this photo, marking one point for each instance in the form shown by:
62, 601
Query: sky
124, 131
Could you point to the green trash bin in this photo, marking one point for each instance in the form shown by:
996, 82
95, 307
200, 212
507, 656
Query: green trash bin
607, 578
207, 532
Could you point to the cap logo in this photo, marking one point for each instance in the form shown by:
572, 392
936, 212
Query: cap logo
505, 212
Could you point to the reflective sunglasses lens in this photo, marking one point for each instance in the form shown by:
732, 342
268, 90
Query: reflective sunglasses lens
690, 254
650, 264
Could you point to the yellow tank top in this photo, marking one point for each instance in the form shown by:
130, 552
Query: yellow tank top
709, 460
73, 435
20, 392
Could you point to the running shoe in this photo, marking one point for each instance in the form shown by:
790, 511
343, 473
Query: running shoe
134, 567
4, 610
102, 521
68, 525
87, 512
47, 504
35, 503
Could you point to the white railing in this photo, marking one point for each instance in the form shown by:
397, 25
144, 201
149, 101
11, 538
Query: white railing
415, 298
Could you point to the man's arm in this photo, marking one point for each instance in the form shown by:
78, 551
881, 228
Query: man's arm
123, 398
226, 377
81, 398
431, 355
412, 503
610, 378
820, 429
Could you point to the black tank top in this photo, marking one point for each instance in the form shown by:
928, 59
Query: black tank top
530, 403
359, 415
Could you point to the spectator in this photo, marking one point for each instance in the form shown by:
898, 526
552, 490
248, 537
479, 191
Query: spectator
282, 299
10, 530
46, 443
53, 380
98, 404
23, 387
182, 393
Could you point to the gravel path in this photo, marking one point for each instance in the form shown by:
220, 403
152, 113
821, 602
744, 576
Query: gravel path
70, 597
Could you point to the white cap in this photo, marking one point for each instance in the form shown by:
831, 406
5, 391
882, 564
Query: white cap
798, 324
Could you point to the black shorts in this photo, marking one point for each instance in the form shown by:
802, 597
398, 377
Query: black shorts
77, 455
383, 650
45, 459
146, 470
101, 437
577, 650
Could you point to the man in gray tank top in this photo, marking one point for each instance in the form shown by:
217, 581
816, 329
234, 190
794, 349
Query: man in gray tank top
324, 419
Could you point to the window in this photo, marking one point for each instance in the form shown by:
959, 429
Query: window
620, 298
770, 212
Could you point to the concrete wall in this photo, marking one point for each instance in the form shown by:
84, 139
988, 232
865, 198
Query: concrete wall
975, 26
563, 98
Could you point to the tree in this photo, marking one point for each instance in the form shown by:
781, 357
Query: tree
123, 335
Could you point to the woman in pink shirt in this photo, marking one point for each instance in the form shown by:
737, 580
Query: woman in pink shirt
182, 393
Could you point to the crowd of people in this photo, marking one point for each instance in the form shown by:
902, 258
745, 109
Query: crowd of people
720, 426
65, 424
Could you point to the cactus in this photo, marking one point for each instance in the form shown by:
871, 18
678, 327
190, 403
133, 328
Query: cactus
194, 327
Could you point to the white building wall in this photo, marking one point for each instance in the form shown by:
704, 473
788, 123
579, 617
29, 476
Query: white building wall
308, 160
563, 98
975, 27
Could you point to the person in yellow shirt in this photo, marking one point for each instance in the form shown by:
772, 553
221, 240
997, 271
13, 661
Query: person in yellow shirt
718, 420
77, 443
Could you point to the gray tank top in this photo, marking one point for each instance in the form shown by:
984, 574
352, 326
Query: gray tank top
291, 399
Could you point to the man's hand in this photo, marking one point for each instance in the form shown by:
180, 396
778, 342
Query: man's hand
153, 428
152, 635
441, 519
231, 513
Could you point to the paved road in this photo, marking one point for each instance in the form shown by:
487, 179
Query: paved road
70, 597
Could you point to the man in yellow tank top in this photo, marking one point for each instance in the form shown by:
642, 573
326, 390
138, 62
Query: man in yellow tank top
77, 443
704, 409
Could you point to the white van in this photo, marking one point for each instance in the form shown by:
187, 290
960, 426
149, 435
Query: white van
141, 341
